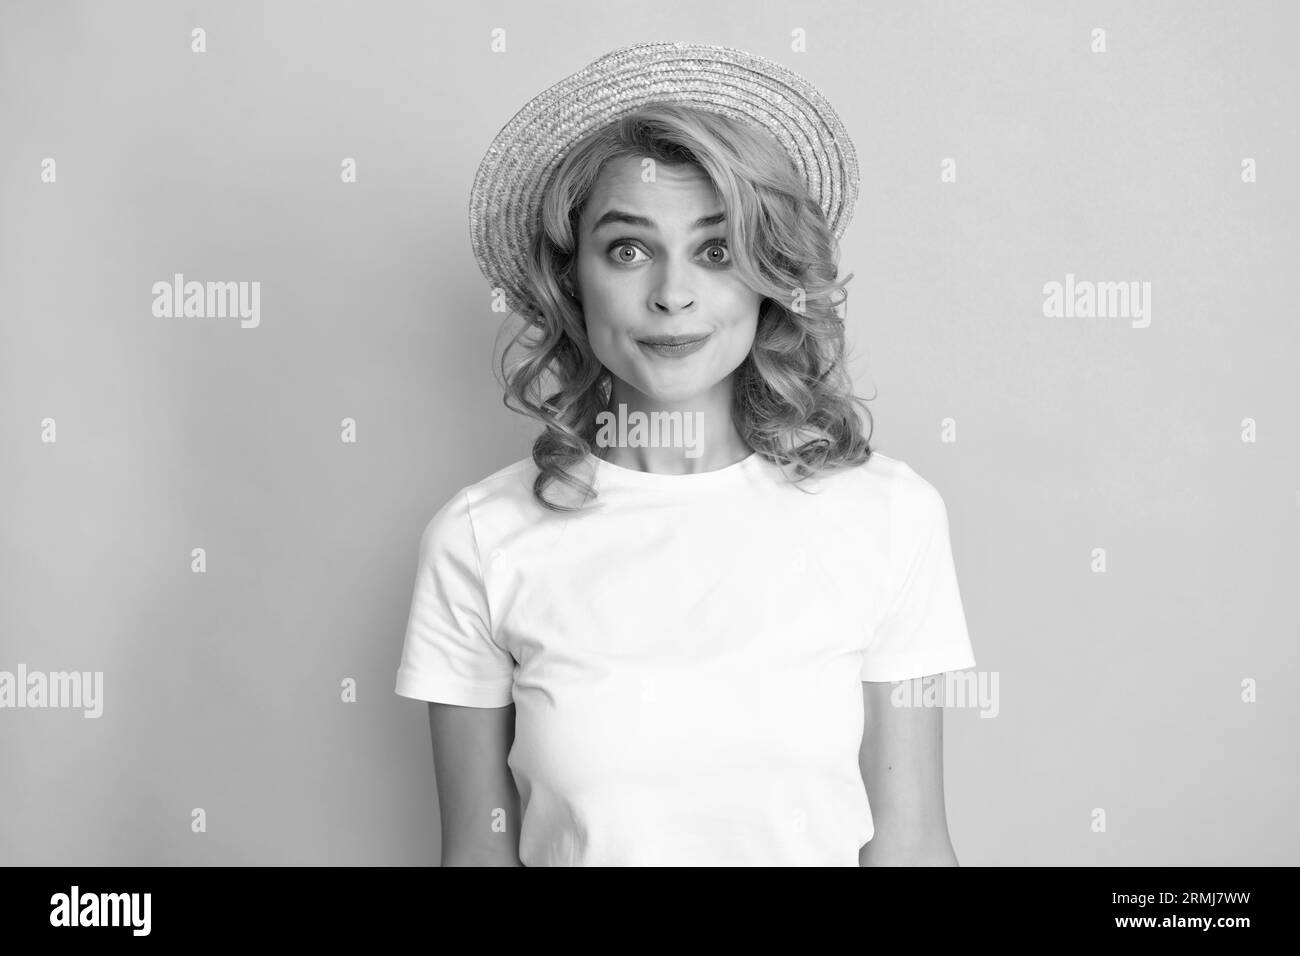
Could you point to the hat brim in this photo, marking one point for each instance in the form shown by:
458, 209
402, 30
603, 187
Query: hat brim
506, 197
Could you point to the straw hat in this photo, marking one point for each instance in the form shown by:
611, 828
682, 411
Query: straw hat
505, 200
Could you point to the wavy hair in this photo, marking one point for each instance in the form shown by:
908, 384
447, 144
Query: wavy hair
792, 400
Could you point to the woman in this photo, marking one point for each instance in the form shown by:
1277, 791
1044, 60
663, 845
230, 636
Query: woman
643, 650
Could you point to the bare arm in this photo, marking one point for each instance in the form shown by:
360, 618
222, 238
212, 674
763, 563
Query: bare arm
902, 766
477, 796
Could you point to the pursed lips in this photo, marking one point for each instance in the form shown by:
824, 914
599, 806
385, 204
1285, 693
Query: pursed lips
673, 339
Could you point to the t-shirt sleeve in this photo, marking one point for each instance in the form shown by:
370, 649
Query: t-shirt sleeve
923, 631
450, 654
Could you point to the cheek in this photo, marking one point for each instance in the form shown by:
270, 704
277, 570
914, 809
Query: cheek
740, 339
742, 312
611, 302
603, 300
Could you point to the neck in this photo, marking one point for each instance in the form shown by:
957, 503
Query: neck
672, 438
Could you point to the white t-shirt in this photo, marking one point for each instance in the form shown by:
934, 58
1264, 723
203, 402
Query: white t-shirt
685, 655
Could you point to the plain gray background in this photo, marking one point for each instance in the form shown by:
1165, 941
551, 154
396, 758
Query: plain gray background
1118, 690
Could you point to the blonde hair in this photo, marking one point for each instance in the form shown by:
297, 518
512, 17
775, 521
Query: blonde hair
792, 400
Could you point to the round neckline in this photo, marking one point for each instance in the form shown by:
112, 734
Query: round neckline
631, 477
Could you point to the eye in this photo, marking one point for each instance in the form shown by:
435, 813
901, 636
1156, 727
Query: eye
620, 251
719, 246
624, 251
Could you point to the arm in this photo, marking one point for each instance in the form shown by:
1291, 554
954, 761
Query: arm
902, 766
476, 790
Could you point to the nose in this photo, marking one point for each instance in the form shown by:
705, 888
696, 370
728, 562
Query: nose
670, 293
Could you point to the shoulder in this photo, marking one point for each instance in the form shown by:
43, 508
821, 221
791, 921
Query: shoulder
911, 492
905, 499
503, 496
509, 485
889, 480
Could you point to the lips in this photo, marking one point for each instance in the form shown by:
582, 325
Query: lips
673, 346
673, 339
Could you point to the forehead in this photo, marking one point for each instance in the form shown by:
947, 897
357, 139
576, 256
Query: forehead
675, 193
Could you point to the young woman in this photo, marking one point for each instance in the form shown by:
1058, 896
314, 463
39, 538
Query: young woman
680, 652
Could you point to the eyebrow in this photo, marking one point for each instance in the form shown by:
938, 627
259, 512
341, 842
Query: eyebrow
617, 215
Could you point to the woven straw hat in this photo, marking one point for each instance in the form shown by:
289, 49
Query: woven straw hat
506, 198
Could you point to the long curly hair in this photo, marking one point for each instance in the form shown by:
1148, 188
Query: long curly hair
792, 400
